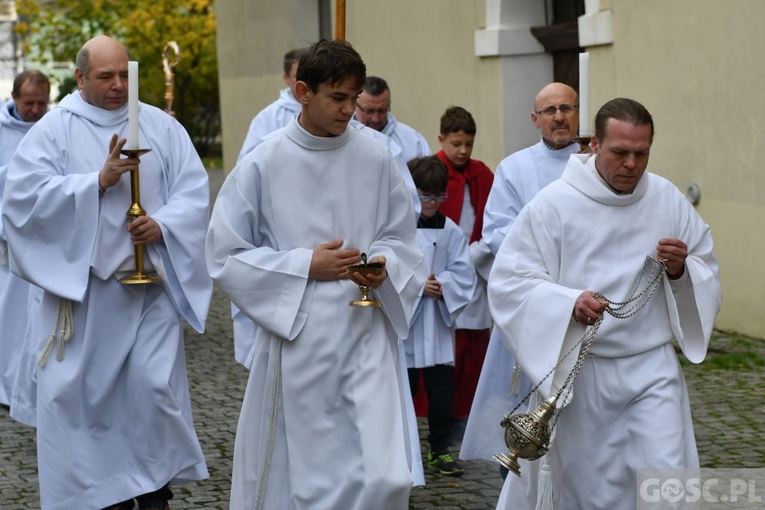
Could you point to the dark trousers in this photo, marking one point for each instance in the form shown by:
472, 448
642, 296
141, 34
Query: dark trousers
156, 499
439, 386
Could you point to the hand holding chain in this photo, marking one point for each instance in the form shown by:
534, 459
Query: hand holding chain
527, 435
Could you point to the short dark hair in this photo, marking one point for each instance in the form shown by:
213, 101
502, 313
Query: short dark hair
331, 61
374, 86
456, 119
429, 174
291, 57
32, 76
623, 109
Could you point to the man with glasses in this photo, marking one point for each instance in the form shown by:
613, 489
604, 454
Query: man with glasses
518, 179
373, 110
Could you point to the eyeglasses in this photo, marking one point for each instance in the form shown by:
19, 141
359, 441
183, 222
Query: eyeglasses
373, 111
550, 111
430, 198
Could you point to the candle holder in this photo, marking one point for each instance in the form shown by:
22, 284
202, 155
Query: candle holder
136, 210
365, 269
584, 143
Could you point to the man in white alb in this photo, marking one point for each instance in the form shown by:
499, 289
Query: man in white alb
577, 246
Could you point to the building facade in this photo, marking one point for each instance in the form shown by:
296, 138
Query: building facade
696, 65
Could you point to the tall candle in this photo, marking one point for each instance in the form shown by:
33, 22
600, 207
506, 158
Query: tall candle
584, 94
132, 139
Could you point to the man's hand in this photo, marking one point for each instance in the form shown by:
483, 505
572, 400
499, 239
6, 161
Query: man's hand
432, 287
372, 280
587, 308
115, 166
673, 253
331, 263
144, 230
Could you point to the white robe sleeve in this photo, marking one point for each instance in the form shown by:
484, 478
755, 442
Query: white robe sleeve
183, 220
694, 299
265, 284
531, 311
458, 279
50, 216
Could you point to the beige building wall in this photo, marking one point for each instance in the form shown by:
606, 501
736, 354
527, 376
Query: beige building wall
425, 51
697, 66
253, 36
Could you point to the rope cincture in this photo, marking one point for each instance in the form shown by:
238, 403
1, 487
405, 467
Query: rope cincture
271, 431
63, 329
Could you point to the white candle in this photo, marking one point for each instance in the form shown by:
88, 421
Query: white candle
584, 94
132, 139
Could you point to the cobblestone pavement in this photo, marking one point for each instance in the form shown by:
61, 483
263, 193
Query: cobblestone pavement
726, 398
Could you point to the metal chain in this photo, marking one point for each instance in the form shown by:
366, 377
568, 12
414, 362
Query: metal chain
613, 308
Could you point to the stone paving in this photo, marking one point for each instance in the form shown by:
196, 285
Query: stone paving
726, 398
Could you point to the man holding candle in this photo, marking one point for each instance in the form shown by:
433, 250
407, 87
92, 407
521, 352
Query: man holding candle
518, 179
114, 414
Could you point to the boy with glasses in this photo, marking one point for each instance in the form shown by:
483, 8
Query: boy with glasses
429, 348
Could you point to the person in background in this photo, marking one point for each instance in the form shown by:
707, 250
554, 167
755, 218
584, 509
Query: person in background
468, 188
373, 110
30, 98
429, 347
279, 113
518, 179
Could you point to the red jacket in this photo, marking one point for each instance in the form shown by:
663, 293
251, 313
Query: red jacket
479, 178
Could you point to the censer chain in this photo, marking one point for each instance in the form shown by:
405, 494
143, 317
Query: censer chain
616, 310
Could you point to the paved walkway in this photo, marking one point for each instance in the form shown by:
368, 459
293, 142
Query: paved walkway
726, 398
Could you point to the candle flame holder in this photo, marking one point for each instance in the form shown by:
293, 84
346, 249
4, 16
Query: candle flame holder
140, 276
584, 143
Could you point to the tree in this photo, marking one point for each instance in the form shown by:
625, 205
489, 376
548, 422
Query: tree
54, 30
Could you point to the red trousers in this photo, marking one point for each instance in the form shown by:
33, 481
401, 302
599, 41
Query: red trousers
470, 350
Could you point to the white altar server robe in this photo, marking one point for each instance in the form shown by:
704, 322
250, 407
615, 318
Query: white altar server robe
114, 415
431, 337
578, 235
323, 420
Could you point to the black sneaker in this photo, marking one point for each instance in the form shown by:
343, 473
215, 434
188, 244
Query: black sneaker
444, 463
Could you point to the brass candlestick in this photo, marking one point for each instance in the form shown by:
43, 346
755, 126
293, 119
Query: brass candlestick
140, 276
